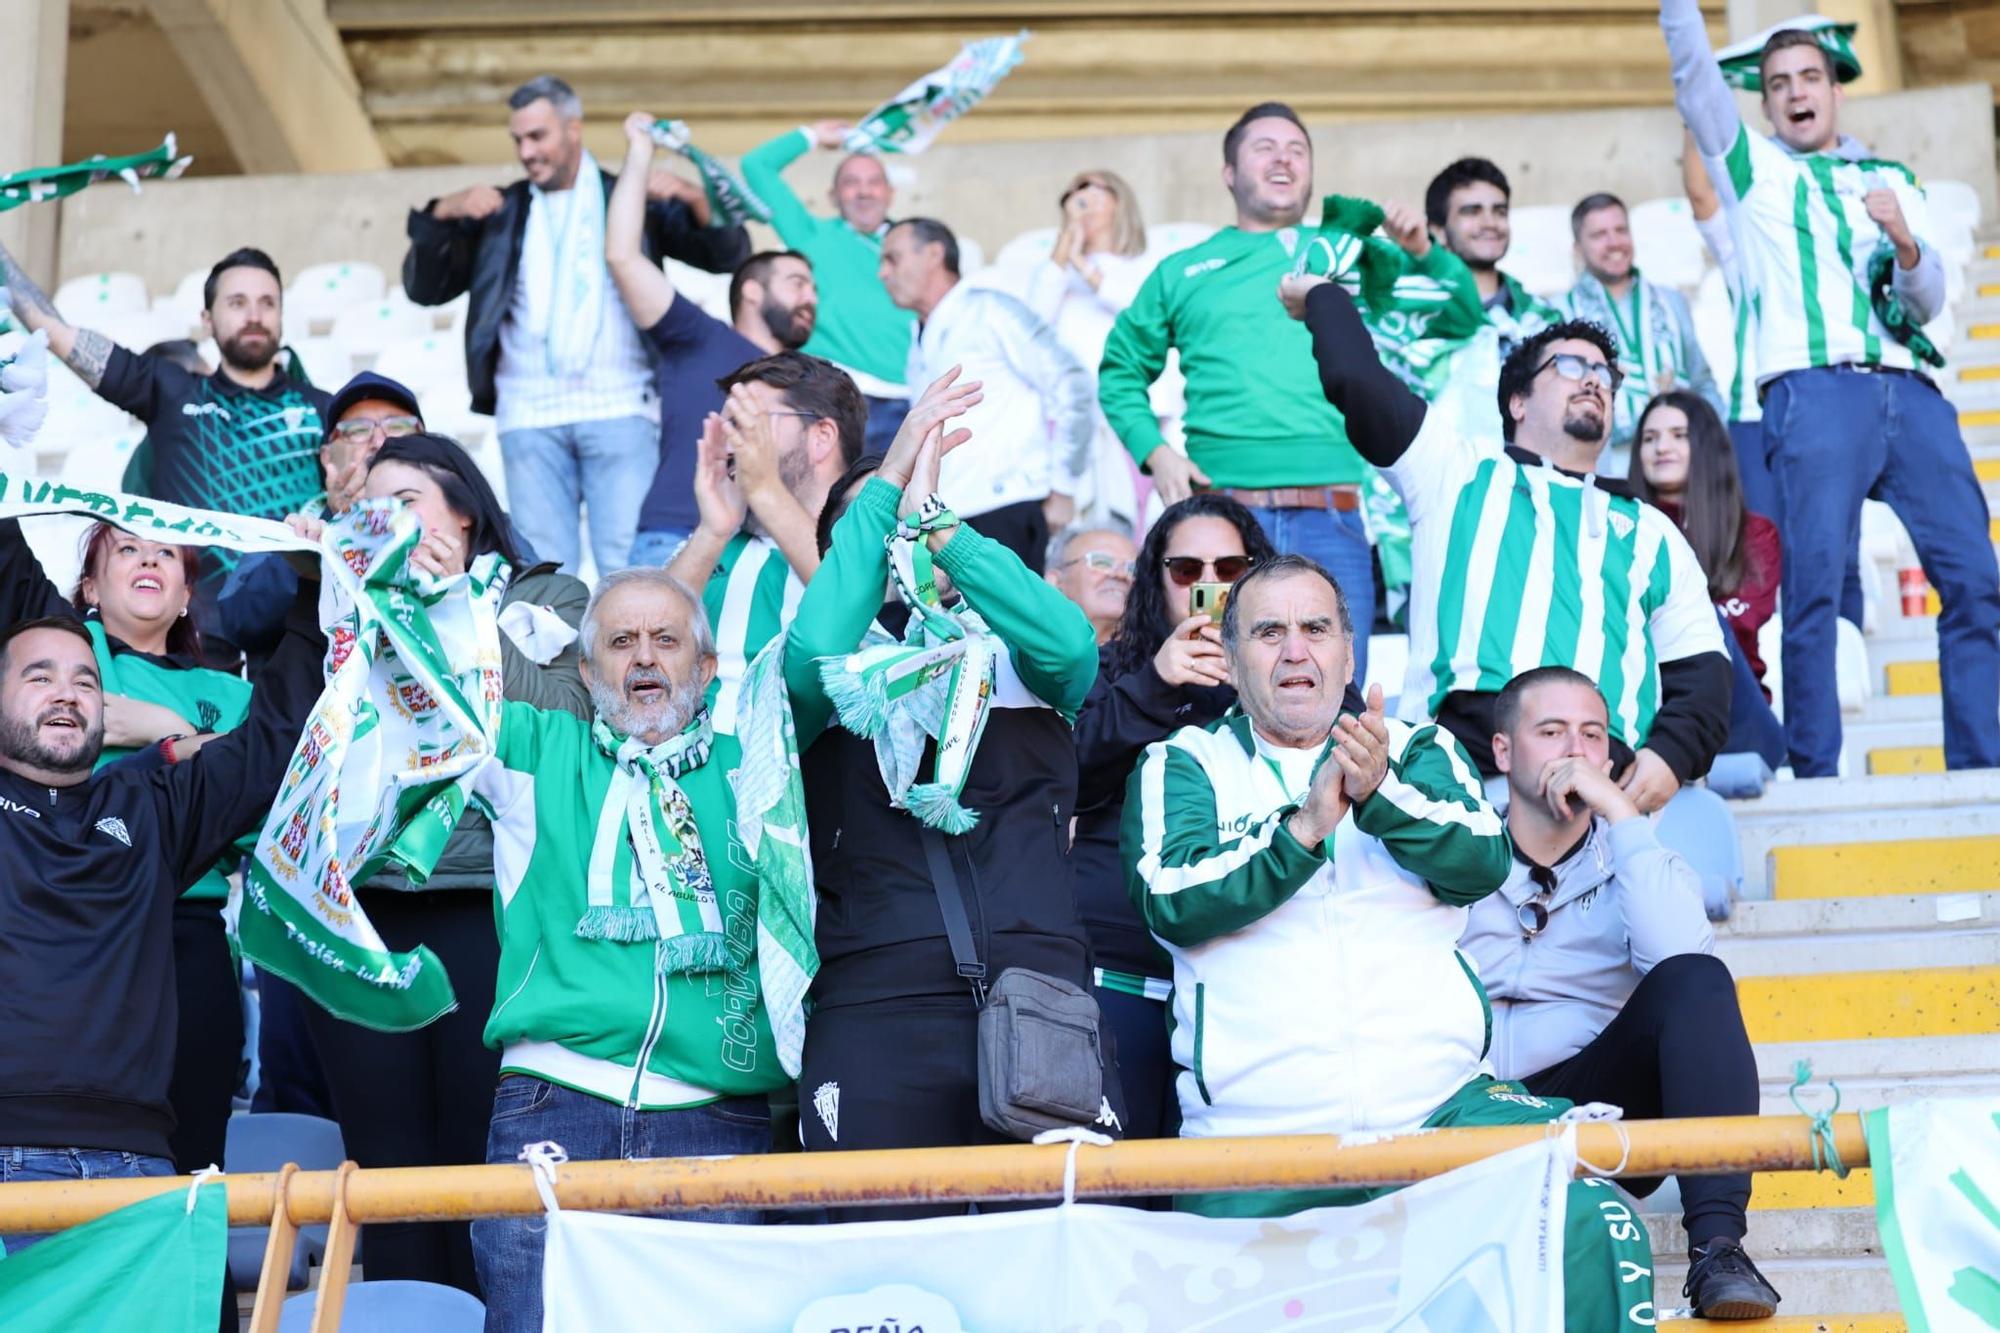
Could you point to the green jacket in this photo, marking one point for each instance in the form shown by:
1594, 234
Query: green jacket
593, 1014
1256, 416
859, 326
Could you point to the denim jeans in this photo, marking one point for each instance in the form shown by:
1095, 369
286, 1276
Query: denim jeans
1338, 540
607, 466
508, 1250
655, 547
23, 1164
1760, 496
1835, 436
885, 418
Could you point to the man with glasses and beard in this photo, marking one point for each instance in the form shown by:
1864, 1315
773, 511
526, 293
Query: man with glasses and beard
791, 425
243, 439
1600, 964
1522, 557
773, 307
625, 1027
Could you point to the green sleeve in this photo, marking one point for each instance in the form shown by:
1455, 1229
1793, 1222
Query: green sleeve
1053, 647
558, 684
1190, 884
841, 600
764, 172
1431, 813
1134, 356
1462, 316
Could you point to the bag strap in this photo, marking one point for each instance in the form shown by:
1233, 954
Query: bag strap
951, 904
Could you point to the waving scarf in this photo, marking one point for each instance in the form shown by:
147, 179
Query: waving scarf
936, 684
38, 184
907, 122
731, 203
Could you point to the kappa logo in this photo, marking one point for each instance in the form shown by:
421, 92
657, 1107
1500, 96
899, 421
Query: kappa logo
116, 828
826, 1101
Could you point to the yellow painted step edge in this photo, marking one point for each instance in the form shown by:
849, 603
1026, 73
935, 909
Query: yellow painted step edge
1831, 1323
1984, 332
1906, 759
1986, 469
1911, 678
1871, 869
1864, 1006
1988, 416
1969, 373
1776, 1191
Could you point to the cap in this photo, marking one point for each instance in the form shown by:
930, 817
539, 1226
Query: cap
368, 385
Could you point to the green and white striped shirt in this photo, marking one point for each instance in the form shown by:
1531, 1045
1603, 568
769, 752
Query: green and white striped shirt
1519, 565
750, 598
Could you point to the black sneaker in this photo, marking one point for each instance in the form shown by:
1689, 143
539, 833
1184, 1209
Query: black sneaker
1724, 1284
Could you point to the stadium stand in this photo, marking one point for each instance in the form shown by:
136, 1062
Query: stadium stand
392, 1307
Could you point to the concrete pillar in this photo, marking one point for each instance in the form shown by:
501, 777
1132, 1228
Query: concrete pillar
34, 59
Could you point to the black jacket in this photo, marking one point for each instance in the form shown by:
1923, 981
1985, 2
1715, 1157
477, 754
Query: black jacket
481, 256
88, 879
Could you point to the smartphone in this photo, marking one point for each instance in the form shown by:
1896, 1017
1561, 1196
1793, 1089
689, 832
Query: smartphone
1210, 599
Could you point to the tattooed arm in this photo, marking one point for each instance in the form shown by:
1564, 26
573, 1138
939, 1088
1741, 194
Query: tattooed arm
85, 351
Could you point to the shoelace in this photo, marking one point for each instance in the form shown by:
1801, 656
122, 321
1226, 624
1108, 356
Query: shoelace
1721, 1258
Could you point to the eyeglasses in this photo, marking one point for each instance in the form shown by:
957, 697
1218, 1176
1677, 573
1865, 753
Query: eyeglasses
1573, 367
1186, 570
360, 428
803, 416
1534, 913
1104, 563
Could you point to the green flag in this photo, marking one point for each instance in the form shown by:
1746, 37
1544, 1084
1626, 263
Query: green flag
1937, 1206
155, 1265
38, 184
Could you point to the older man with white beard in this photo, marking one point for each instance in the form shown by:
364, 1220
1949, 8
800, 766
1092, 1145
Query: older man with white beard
625, 1028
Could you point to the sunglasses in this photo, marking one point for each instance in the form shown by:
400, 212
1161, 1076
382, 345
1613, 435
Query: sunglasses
1103, 562
1533, 914
359, 429
1573, 367
1186, 570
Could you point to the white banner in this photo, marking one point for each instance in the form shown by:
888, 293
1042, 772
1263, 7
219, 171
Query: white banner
1937, 1205
1475, 1251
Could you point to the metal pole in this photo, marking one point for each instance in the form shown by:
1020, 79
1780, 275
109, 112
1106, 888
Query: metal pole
1015, 1171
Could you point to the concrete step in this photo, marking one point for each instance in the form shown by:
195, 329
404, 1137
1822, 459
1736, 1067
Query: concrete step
1819, 1260
1939, 1001
1878, 1072
1785, 1323
1872, 836
1801, 936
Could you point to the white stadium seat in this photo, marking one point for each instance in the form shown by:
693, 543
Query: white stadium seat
321, 292
365, 329
971, 256
1715, 326
1164, 238
139, 329
1666, 244
86, 300
1541, 255
710, 291
328, 363
431, 361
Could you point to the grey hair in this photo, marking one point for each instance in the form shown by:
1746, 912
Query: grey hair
1060, 543
649, 576
1277, 567
547, 88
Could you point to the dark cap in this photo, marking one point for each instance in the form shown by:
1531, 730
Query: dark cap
368, 385
68, 624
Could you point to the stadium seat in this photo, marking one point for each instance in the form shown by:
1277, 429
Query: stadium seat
1021, 254
321, 292
392, 1307
265, 1142
1164, 238
328, 362
424, 362
88, 299
97, 455
136, 330
184, 304
364, 330
1542, 253
710, 291
1954, 207
1715, 326
1697, 825
1666, 245
971, 256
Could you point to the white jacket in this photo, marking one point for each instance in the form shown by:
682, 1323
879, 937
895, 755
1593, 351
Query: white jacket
1031, 432
1313, 993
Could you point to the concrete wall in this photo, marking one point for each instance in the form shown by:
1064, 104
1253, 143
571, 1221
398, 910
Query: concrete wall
994, 191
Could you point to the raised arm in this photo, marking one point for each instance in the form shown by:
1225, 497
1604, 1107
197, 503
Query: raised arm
644, 285
764, 172
1382, 415
444, 239
1431, 814
840, 603
1707, 106
1051, 642
84, 351
26, 592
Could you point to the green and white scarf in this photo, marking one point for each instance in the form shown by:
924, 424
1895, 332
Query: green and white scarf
1740, 60
40, 184
907, 122
936, 684
1649, 342
731, 203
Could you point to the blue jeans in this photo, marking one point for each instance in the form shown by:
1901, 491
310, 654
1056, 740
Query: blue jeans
655, 547
23, 1164
508, 1250
1836, 436
605, 465
885, 418
1760, 496
1340, 542
1753, 727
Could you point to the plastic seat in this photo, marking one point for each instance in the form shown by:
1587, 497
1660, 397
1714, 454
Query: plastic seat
1541, 255
265, 1142
432, 360
184, 304
1715, 325
364, 330
328, 362
1164, 238
136, 330
971, 256
1697, 824
1954, 205
710, 291
322, 291
392, 1307
1668, 247
85, 300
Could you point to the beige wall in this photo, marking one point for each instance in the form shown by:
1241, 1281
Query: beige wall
994, 191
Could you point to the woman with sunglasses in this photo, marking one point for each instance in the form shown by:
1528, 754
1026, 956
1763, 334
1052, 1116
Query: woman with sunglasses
1162, 670
1092, 273
424, 1098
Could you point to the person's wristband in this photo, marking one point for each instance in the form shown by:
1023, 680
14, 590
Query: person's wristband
167, 747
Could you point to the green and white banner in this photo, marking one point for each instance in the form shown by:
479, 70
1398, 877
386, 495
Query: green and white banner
1741, 61
1937, 1205
39, 184
1478, 1249
156, 1265
731, 203
907, 122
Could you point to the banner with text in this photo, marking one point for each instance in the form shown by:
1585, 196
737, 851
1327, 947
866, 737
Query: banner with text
1937, 1205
